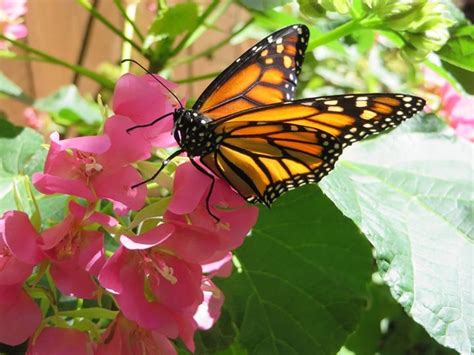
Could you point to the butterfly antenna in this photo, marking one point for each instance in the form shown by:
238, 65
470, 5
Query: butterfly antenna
154, 77
149, 124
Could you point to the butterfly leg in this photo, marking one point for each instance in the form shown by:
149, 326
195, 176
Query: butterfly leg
208, 197
163, 165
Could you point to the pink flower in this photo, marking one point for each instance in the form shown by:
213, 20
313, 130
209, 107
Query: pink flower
19, 248
96, 167
209, 311
60, 341
206, 240
124, 337
76, 254
143, 99
19, 314
11, 24
153, 287
34, 118
456, 107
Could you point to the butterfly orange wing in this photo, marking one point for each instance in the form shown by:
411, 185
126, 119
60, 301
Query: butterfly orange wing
265, 74
267, 151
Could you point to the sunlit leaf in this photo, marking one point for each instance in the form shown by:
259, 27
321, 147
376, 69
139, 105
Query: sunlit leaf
459, 50
410, 192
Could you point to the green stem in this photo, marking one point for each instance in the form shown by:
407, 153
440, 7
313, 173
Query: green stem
198, 78
336, 33
87, 5
211, 49
128, 29
188, 38
54, 60
130, 20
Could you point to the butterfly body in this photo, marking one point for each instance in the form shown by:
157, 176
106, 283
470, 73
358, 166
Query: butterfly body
248, 129
191, 131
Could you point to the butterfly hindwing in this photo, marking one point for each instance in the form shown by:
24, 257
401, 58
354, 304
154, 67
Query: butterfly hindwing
269, 150
265, 74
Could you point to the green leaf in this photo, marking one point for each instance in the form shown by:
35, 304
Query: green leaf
9, 88
465, 78
386, 329
301, 282
175, 21
459, 50
68, 107
219, 338
410, 192
20, 154
53, 209
366, 339
263, 5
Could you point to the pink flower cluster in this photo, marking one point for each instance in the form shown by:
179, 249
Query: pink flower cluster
160, 278
455, 106
11, 22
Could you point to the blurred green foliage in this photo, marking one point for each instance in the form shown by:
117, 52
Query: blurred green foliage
302, 283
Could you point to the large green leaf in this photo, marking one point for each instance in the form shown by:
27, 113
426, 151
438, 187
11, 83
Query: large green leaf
411, 193
301, 283
459, 50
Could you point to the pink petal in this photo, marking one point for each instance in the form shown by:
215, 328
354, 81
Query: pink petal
126, 148
13, 271
143, 100
185, 294
50, 184
20, 316
54, 235
163, 344
187, 327
466, 131
210, 310
16, 31
189, 187
149, 239
134, 305
109, 276
91, 256
73, 281
116, 186
87, 144
13, 8
191, 243
61, 341
20, 237
221, 267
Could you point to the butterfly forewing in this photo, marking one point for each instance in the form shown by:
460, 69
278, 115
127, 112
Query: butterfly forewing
265, 74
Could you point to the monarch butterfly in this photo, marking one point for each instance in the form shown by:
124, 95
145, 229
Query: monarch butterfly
247, 129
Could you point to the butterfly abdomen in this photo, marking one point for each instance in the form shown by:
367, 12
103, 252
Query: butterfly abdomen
193, 134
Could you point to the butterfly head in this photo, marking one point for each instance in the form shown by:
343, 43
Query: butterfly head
192, 132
